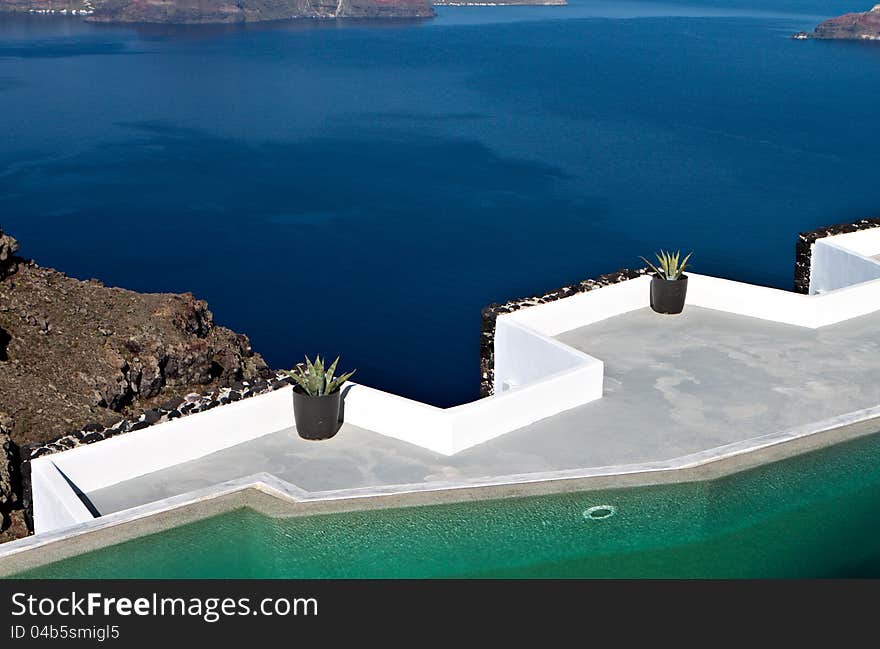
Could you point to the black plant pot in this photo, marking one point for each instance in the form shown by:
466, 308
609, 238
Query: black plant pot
667, 295
316, 417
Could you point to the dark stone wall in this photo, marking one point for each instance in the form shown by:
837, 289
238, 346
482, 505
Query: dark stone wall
27, 499
804, 248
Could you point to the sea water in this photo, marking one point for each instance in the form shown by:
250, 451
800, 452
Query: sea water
364, 188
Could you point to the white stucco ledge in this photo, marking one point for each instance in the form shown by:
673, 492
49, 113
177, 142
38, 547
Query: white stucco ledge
550, 376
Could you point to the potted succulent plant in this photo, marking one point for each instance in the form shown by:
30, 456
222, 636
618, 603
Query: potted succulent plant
669, 285
317, 398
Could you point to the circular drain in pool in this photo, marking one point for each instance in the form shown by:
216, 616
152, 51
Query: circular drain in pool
600, 512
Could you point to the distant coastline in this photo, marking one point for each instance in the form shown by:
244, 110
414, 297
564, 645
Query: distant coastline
853, 26
194, 12
190, 12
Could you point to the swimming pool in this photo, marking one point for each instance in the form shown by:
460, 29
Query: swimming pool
814, 515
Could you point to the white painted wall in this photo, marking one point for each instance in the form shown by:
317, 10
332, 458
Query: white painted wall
833, 266
545, 375
129, 455
56, 505
404, 419
863, 242
480, 421
750, 300
523, 356
776, 305
846, 303
513, 355
554, 318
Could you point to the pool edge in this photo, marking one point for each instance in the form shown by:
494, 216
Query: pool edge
277, 498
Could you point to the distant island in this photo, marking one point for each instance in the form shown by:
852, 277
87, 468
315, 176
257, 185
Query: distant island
855, 26
241, 11
220, 11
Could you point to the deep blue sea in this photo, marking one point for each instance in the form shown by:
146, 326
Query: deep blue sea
365, 188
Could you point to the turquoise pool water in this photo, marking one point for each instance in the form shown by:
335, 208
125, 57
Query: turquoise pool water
817, 515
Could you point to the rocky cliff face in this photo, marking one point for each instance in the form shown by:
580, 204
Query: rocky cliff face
8, 248
76, 352
12, 523
223, 11
856, 26
7, 462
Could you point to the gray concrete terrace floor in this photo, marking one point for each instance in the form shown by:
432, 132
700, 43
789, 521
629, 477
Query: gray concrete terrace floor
674, 385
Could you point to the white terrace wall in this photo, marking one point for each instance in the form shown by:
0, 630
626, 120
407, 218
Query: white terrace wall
835, 266
600, 304
536, 377
564, 379
127, 456
552, 378
862, 242
523, 356
554, 318
846, 303
843, 262
516, 407
123, 457
56, 504
400, 418
811, 311
751, 300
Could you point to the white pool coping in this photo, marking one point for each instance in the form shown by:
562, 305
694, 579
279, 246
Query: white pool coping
289, 500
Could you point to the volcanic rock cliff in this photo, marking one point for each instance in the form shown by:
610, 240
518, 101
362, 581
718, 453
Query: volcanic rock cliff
76, 352
855, 26
222, 11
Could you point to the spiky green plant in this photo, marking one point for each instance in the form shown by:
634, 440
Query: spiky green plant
315, 379
671, 266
